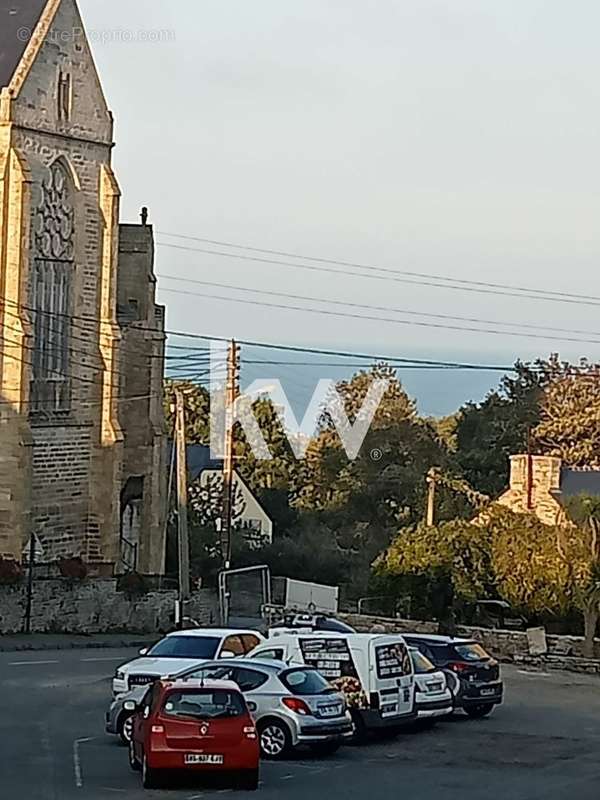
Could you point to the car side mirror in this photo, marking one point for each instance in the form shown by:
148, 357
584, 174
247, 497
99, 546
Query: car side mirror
144, 651
227, 654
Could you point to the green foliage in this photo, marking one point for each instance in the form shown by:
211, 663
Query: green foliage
197, 406
569, 423
487, 433
455, 554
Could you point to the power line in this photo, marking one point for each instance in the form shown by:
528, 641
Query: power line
345, 354
417, 279
347, 315
391, 309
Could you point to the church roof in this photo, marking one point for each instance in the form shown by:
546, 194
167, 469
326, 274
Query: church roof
18, 19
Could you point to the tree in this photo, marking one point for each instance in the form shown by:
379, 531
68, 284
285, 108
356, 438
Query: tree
579, 549
205, 507
487, 433
527, 568
452, 560
569, 419
385, 485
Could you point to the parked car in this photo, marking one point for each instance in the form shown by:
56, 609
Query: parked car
183, 649
479, 686
374, 671
292, 706
203, 726
312, 622
433, 698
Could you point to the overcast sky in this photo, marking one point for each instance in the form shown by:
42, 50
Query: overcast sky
454, 138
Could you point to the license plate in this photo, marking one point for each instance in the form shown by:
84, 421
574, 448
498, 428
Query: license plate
329, 711
487, 692
196, 758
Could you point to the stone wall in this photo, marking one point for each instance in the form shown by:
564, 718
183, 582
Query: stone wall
504, 645
95, 606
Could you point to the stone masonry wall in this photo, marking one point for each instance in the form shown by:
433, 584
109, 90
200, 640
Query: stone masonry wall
505, 645
95, 606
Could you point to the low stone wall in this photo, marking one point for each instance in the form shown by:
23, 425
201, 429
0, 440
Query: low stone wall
95, 606
563, 651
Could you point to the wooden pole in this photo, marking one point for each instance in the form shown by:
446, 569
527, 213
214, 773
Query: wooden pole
230, 398
431, 487
182, 511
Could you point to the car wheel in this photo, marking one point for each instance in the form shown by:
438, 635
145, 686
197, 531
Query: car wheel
125, 728
248, 780
133, 762
479, 711
275, 739
325, 748
149, 776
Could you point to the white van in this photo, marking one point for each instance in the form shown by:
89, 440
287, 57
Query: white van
374, 671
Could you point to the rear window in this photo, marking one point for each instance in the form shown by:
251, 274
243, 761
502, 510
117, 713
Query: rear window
392, 660
186, 647
421, 663
305, 681
470, 652
204, 704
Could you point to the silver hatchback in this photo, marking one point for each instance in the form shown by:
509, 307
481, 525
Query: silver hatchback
292, 706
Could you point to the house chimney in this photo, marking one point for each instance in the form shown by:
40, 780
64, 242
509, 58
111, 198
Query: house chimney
542, 471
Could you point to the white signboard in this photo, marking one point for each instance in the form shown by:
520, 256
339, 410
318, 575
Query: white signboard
305, 596
536, 639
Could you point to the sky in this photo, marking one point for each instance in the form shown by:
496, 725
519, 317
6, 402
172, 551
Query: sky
452, 139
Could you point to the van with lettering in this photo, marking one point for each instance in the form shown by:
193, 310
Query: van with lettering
374, 671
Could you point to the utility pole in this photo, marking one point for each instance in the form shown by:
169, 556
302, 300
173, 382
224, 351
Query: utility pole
231, 393
432, 477
182, 511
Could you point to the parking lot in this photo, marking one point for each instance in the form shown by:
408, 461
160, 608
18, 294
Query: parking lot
543, 743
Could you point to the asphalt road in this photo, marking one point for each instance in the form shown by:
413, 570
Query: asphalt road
544, 743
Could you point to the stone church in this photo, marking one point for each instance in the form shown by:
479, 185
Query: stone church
82, 434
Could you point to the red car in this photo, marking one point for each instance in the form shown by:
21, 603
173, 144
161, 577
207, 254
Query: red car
204, 726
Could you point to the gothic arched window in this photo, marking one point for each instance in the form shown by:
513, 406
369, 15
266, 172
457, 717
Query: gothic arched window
54, 229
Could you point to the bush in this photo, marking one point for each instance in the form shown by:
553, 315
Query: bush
74, 569
10, 572
132, 584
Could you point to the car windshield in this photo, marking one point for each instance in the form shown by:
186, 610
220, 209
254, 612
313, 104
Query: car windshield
306, 681
471, 652
186, 647
204, 704
421, 663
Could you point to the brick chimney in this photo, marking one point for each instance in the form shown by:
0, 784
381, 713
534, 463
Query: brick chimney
544, 472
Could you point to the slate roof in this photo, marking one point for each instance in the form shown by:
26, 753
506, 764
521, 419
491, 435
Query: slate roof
18, 19
579, 481
198, 460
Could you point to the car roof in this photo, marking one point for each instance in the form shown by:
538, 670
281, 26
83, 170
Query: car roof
267, 663
436, 638
199, 684
214, 632
295, 633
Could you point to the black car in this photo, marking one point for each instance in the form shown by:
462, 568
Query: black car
479, 687
315, 622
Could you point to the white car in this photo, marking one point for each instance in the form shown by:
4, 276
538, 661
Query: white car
433, 696
182, 649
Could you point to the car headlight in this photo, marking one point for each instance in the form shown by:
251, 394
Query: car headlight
120, 675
